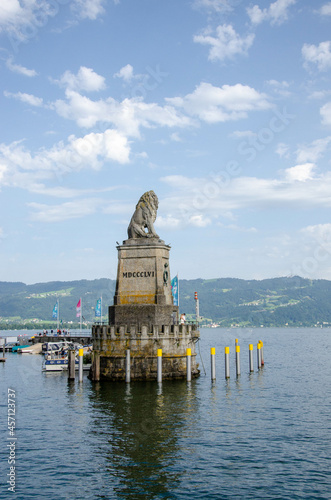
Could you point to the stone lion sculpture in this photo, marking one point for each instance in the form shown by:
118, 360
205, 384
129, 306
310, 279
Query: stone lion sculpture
144, 217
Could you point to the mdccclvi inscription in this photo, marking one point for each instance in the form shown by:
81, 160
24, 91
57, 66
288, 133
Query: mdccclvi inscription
139, 274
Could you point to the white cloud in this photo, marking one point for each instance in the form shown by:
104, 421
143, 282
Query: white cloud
20, 167
219, 104
280, 88
325, 113
85, 80
319, 94
318, 231
282, 150
226, 44
27, 98
296, 187
127, 116
317, 54
68, 210
21, 19
325, 10
89, 9
17, 16
168, 221
9, 10
199, 221
220, 6
16, 68
300, 173
276, 13
313, 151
126, 73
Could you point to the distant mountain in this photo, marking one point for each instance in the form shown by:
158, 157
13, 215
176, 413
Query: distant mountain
28, 303
290, 301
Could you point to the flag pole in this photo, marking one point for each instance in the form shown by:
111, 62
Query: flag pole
58, 313
80, 323
101, 310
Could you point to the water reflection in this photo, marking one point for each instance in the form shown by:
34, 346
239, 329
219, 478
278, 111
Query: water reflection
143, 424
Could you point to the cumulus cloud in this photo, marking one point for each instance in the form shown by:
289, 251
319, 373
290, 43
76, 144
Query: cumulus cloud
19, 167
226, 43
276, 13
219, 104
319, 231
20, 19
313, 151
127, 116
27, 98
319, 55
85, 80
16, 68
88, 9
300, 173
126, 73
325, 10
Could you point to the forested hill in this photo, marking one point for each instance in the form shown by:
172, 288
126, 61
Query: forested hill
290, 301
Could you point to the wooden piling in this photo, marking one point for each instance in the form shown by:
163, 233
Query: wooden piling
71, 364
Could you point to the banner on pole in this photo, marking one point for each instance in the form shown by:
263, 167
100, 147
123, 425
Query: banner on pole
78, 308
174, 290
55, 310
98, 309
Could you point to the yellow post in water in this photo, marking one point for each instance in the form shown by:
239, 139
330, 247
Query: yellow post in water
213, 363
238, 360
251, 364
227, 362
159, 365
188, 365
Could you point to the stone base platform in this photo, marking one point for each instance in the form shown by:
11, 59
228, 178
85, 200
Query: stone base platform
111, 342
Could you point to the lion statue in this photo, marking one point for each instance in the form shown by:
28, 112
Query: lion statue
144, 217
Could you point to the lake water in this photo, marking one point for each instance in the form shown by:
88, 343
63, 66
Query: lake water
265, 435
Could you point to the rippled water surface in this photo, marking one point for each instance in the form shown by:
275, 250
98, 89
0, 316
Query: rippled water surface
265, 435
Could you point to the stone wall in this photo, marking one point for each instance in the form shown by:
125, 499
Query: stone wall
111, 342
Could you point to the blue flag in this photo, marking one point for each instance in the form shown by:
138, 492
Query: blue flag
174, 290
98, 309
55, 310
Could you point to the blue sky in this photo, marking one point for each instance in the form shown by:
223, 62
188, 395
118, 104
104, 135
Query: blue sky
222, 107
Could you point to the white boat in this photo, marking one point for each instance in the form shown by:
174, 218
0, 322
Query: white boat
57, 357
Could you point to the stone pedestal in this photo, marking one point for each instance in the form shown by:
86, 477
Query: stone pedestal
143, 318
143, 289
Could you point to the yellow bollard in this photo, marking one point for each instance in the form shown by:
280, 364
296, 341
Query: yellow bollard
159, 365
213, 363
258, 355
251, 364
188, 365
80, 365
238, 360
227, 362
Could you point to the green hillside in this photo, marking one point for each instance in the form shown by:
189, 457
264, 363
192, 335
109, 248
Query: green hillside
33, 304
290, 301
